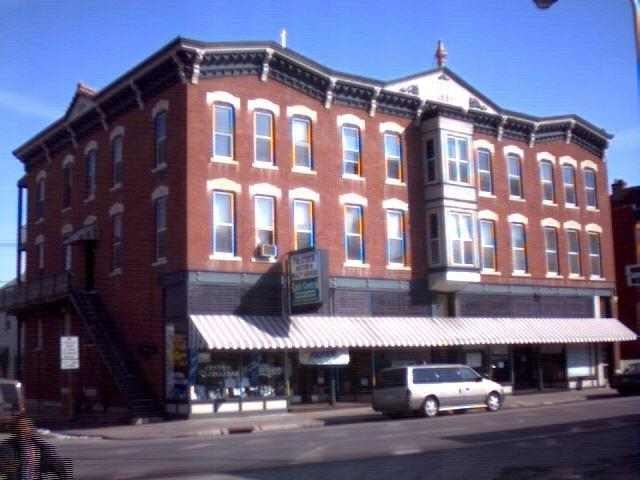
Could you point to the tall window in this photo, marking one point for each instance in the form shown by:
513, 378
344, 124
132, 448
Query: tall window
460, 233
458, 159
595, 255
66, 253
485, 181
223, 126
434, 238
40, 251
40, 199
488, 244
116, 241
395, 237
116, 160
66, 186
515, 175
90, 174
546, 180
265, 220
393, 156
263, 141
569, 181
573, 251
430, 153
551, 250
351, 150
223, 223
160, 138
161, 227
301, 135
519, 248
303, 223
354, 244
590, 187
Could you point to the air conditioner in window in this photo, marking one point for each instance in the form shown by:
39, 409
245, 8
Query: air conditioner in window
268, 250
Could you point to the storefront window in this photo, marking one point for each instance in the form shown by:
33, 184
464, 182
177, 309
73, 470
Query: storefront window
500, 364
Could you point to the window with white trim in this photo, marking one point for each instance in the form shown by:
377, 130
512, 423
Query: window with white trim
485, 177
223, 130
223, 223
458, 159
514, 165
430, 154
264, 208
460, 238
90, 173
351, 150
551, 250
263, 137
519, 248
488, 244
116, 160
393, 156
573, 251
116, 241
40, 198
303, 224
66, 186
395, 237
546, 180
590, 187
595, 259
354, 243
434, 238
160, 211
569, 182
160, 138
301, 138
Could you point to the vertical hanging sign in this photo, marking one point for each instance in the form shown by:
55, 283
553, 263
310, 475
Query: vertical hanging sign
305, 279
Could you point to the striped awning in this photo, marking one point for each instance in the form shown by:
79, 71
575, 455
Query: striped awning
235, 332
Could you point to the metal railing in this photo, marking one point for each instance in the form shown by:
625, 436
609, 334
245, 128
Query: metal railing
41, 290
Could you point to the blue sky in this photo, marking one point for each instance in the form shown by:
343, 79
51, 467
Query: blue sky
576, 57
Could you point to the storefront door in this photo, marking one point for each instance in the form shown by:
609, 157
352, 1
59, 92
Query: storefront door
526, 368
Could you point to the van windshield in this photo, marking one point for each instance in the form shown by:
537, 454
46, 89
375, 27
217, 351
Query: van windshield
393, 378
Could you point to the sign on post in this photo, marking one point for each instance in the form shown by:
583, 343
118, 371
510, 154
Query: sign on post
69, 353
305, 278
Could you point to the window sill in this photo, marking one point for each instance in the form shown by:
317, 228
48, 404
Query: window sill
89, 199
486, 194
397, 183
225, 160
490, 272
305, 171
398, 267
159, 168
116, 272
573, 276
520, 274
160, 261
553, 275
592, 209
597, 278
226, 258
459, 184
516, 199
351, 176
549, 203
264, 260
116, 187
354, 264
571, 205
265, 166
67, 209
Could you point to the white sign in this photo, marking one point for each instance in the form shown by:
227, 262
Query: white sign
331, 357
633, 275
69, 353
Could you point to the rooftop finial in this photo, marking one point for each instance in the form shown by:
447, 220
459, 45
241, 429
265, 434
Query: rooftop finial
283, 38
441, 54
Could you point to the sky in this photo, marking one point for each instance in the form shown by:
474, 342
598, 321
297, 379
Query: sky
576, 57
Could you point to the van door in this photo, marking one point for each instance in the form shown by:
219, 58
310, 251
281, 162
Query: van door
448, 387
471, 386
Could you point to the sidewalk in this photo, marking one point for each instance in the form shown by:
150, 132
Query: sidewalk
292, 421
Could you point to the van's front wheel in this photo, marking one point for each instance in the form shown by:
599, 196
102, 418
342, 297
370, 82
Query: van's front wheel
430, 407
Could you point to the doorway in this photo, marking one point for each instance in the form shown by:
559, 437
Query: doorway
526, 368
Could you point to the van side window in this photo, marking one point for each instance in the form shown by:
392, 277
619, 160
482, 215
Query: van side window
425, 375
468, 375
446, 374
394, 378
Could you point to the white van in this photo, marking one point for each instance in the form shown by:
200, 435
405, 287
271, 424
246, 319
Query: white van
429, 389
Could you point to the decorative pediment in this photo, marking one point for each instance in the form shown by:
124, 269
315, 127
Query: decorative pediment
81, 102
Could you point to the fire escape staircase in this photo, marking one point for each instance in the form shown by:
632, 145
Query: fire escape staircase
126, 373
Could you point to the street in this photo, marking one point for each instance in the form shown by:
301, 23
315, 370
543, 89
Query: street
590, 439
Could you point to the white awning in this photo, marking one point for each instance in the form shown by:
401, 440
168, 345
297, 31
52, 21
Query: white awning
235, 332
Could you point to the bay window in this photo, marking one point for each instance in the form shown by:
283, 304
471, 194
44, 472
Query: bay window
460, 233
458, 159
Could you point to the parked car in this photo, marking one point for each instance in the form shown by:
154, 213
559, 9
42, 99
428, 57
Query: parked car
429, 389
627, 382
11, 402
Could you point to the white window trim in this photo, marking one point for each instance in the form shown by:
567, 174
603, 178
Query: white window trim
115, 209
572, 225
403, 220
488, 215
271, 228
571, 253
547, 160
483, 269
514, 271
481, 143
42, 175
550, 222
222, 97
449, 239
234, 244
568, 160
349, 118
295, 229
119, 130
589, 164
224, 158
92, 145
593, 228
388, 157
265, 189
309, 125
68, 160
223, 184
304, 193
360, 234
391, 127
507, 149
263, 104
353, 199
343, 147
68, 228
549, 274
476, 151
161, 105
510, 175
457, 160
394, 204
302, 111
518, 218
542, 156
160, 191
261, 163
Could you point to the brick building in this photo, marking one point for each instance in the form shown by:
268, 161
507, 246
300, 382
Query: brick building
625, 213
437, 226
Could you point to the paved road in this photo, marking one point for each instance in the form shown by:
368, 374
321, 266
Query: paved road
592, 439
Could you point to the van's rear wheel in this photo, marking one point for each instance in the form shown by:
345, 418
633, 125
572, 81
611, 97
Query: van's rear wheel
430, 407
494, 402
